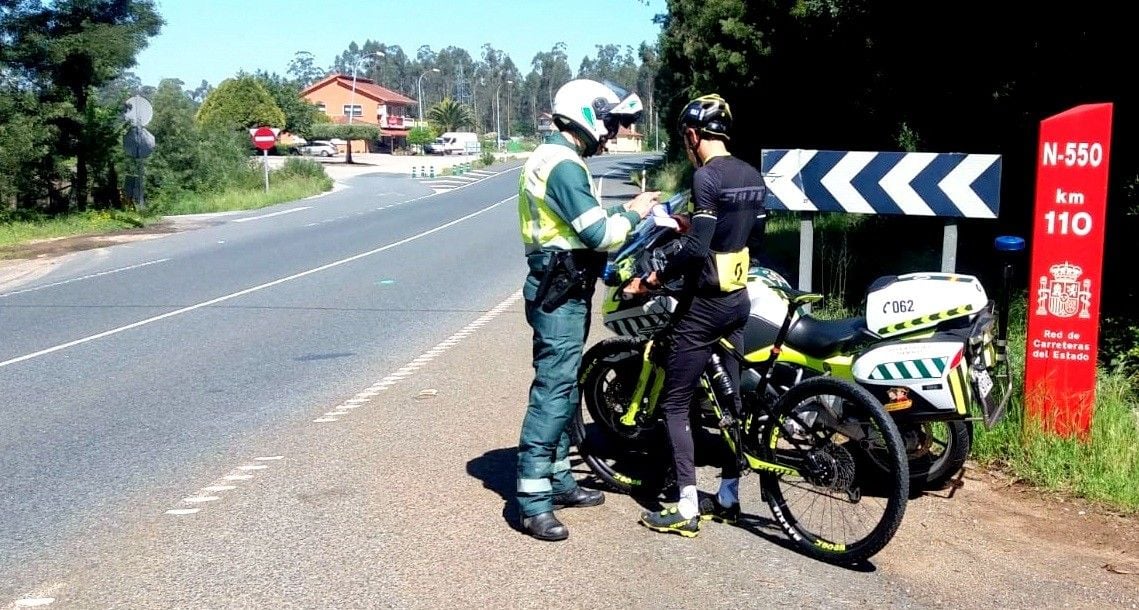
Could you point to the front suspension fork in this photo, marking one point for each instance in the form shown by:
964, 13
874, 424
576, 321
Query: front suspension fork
650, 373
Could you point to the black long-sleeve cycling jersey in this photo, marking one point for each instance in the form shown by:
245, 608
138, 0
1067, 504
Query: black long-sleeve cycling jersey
727, 210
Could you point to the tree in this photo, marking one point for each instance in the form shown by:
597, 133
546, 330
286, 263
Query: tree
449, 115
240, 103
199, 94
553, 71
299, 113
66, 50
839, 76
173, 166
303, 69
334, 131
421, 136
27, 167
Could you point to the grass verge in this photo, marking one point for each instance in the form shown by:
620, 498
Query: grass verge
29, 227
35, 227
286, 189
1104, 469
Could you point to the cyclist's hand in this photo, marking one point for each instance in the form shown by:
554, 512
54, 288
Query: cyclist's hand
683, 222
643, 203
635, 287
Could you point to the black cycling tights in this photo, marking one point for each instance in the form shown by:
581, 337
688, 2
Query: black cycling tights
690, 345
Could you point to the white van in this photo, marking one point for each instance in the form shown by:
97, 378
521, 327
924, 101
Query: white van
456, 143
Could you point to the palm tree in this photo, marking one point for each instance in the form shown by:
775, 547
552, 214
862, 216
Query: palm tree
449, 115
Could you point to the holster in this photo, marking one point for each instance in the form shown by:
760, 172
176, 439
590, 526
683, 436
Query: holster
568, 274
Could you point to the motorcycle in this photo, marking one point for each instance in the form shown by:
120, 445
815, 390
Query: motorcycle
928, 348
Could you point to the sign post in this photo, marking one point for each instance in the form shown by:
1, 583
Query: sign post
265, 138
1066, 268
138, 143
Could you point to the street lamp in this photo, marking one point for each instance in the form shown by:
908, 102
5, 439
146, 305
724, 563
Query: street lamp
420, 87
355, 66
475, 82
498, 113
509, 82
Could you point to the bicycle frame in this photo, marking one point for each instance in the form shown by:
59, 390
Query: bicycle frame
729, 426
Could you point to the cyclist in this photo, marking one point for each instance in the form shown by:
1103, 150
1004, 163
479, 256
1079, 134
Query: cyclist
712, 259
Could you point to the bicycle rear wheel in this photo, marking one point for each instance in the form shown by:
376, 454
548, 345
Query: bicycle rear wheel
835, 501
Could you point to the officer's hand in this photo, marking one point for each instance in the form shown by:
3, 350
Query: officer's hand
643, 203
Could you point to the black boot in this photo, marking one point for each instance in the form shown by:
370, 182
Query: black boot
578, 498
545, 526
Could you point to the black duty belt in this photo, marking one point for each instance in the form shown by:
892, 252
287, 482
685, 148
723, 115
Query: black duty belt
564, 274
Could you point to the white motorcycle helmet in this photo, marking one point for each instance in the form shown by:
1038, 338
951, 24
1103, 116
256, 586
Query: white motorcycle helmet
594, 111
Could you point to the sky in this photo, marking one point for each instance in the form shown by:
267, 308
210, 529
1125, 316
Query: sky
213, 39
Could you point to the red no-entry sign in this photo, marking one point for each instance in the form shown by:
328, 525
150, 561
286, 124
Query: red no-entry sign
264, 138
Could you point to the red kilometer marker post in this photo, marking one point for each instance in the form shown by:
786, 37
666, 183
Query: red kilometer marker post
1066, 269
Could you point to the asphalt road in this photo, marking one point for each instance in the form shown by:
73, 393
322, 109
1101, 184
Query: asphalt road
134, 368
316, 405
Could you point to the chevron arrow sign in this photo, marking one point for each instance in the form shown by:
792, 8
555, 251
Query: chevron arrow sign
916, 184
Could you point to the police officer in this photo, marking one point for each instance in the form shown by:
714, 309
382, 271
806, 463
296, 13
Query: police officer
566, 234
712, 260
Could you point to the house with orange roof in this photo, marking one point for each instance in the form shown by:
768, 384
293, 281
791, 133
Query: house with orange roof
627, 140
365, 102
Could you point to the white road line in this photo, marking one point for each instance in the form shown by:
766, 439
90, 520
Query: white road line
269, 458
239, 293
34, 602
200, 499
289, 211
182, 511
238, 477
217, 488
413, 367
86, 277
437, 192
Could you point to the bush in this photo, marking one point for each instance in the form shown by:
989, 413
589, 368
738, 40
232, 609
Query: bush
200, 161
487, 158
300, 168
419, 136
671, 178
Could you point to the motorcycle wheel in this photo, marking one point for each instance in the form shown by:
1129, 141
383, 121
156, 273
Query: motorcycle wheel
633, 460
609, 372
940, 451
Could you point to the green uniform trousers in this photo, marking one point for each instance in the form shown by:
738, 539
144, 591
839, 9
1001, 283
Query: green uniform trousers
543, 447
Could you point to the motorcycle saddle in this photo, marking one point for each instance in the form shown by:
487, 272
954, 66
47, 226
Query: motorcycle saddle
824, 338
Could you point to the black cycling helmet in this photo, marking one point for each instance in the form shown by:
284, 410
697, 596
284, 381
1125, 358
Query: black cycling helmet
709, 115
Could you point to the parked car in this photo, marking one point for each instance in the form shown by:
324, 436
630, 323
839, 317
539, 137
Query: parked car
321, 148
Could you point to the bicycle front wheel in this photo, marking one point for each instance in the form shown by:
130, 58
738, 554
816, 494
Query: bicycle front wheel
833, 470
